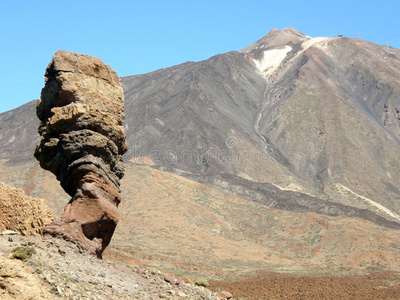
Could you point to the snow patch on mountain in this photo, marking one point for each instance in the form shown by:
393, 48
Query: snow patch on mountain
271, 60
321, 42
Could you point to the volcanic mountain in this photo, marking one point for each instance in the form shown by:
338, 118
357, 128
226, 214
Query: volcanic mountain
292, 132
314, 115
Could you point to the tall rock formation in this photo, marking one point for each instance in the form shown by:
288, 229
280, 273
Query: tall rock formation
82, 142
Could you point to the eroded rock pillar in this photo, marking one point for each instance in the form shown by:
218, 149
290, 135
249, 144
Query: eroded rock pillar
82, 142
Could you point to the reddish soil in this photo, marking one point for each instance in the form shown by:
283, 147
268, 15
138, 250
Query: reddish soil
284, 286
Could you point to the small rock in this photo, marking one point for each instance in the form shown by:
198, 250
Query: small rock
180, 281
187, 280
9, 232
225, 295
59, 290
154, 271
170, 279
181, 294
61, 250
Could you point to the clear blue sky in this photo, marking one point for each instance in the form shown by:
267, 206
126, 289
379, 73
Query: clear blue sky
136, 37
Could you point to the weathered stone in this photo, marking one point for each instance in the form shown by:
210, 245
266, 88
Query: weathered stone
82, 142
9, 232
179, 281
186, 279
170, 279
225, 295
22, 214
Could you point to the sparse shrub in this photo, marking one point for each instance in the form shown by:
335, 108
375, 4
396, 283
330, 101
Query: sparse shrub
201, 282
22, 252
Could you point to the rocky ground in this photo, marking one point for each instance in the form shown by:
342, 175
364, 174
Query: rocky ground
61, 270
285, 286
51, 268
58, 269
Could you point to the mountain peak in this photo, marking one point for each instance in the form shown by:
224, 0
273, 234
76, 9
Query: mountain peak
293, 31
276, 38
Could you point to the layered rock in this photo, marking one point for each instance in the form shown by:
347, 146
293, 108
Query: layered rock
82, 142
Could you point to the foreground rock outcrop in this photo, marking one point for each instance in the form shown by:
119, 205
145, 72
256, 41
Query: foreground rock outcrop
21, 213
61, 270
82, 142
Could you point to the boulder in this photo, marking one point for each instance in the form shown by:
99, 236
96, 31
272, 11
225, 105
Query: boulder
225, 295
22, 214
170, 279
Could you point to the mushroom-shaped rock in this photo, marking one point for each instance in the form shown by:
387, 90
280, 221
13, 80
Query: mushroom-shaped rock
81, 114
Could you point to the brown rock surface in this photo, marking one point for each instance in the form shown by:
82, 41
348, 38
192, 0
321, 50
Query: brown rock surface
21, 213
82, 142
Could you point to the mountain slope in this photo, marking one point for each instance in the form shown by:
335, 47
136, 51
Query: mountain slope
18, 134
339, 127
